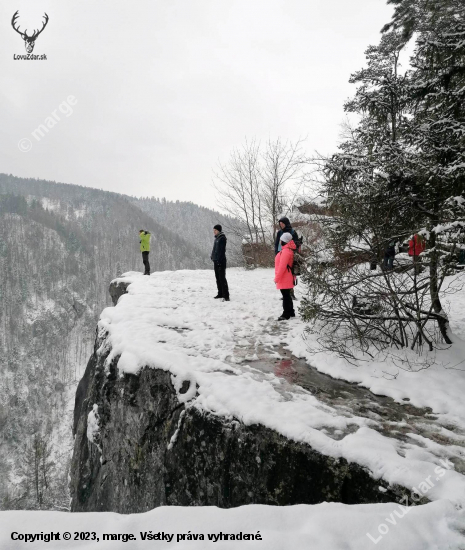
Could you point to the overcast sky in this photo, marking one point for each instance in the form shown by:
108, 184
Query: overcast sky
164, 89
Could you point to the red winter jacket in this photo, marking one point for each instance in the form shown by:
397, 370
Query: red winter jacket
416, 245
282, 275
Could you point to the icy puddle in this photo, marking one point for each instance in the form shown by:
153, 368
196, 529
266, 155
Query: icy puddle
413, 427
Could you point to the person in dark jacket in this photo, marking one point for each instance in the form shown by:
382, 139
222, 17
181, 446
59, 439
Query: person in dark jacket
144, 237
389, 255
219, 262
286, 227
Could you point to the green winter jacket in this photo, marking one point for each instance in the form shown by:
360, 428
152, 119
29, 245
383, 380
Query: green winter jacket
144, 241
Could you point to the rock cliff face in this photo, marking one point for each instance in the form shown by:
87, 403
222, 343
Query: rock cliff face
138, 447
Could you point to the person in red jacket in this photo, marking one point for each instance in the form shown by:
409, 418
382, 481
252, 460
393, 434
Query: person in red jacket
416, 246
284, 278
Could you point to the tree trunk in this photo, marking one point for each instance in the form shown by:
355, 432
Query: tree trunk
443, 322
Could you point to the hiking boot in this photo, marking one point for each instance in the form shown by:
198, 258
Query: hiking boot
292, 315
282, 318
226, 300
216, 297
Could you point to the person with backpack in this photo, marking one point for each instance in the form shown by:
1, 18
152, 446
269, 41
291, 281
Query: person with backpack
286, 227
284, 276
144, 237
218, 257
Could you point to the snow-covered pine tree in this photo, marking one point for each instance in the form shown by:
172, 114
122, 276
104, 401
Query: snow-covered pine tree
437, 138
398, 172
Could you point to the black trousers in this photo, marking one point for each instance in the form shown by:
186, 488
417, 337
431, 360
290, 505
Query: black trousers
389, 260
221, 282
417, 264
288, 306
145, 259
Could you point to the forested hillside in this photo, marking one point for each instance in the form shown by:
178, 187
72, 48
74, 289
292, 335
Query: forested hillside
60, 246
193, 223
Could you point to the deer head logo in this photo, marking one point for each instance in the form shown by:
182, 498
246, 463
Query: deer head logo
29, 41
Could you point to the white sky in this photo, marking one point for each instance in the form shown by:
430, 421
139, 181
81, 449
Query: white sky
166, 88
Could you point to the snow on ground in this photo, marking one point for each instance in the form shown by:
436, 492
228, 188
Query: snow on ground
170, 321
326, 526
56, 205
440, 387
50, 204
38, 310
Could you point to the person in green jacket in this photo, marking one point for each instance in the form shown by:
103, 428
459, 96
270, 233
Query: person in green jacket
145, 249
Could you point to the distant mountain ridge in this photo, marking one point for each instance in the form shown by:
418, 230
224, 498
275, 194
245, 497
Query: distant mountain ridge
195, 223
97, 211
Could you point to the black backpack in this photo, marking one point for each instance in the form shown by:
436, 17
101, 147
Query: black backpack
298, 265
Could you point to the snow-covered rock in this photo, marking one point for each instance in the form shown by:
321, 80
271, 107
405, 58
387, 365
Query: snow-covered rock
183, 421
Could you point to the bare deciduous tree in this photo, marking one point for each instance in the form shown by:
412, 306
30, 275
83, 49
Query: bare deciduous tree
37, 468
284, 175
259, 184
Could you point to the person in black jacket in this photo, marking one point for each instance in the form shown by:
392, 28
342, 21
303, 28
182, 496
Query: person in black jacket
389, 254
219, 262
286, 227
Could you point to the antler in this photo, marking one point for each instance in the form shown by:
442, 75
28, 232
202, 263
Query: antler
36, 33
13, 21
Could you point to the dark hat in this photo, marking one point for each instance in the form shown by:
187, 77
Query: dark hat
218, 228
141, 230
285, 221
